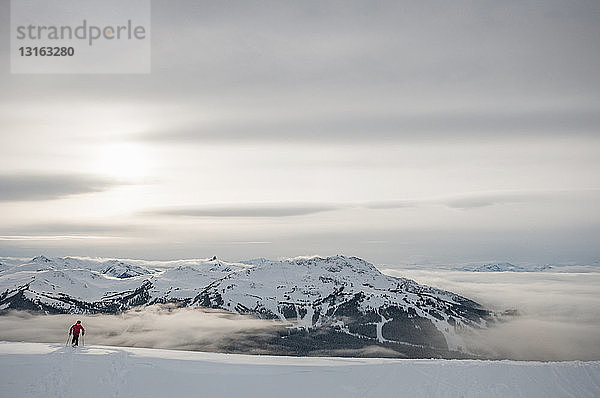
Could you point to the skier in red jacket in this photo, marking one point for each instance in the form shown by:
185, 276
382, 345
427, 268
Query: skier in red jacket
75, 329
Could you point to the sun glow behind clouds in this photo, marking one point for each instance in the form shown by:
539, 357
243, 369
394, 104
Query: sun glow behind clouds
124, 161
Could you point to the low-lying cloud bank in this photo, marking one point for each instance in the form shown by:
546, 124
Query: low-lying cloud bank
157, 326
559, 313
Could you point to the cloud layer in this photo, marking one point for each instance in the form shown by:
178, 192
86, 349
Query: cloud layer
33, 187
155, 327
246, 210
466, 201
559, 314
403, 108
350, 128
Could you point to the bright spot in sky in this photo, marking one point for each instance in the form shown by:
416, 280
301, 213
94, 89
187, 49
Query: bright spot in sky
121, 160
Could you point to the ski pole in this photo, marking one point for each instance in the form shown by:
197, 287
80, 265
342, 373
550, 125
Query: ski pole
68, 337
82, 340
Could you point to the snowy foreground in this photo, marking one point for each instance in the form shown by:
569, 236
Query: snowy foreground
53, 370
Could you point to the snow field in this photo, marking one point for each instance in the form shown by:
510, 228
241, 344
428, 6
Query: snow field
53, 370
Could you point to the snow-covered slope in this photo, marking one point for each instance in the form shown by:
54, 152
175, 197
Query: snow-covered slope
73, 285
185, 282
347, 300
76, 285
51, 370
350, 297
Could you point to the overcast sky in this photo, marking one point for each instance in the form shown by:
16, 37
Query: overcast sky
401, 132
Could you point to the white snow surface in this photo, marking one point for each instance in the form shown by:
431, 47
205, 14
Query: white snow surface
54, 370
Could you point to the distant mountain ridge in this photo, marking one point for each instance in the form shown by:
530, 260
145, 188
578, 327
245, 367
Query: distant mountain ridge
327, 302
503, 267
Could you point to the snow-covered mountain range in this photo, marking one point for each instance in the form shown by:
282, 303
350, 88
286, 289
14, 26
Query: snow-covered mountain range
503, 267
333, 302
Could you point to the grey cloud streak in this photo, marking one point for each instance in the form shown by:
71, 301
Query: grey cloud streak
245, 210
69, 228
35, 187
475, 200
347, 127
46, 232
465, 201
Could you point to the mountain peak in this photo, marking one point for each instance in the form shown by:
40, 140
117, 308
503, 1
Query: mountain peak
41, 259
498, 267
335, 263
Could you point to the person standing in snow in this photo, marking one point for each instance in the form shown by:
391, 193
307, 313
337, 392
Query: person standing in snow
75, 330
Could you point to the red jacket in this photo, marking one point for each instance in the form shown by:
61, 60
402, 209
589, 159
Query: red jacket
76, 329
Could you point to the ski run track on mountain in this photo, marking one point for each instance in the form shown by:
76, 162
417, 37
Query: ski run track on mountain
55, 370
